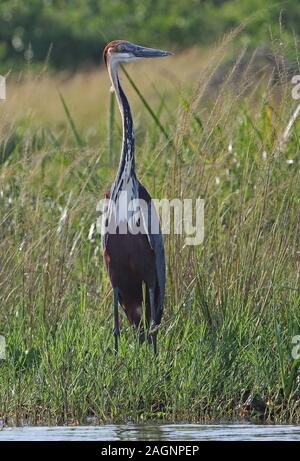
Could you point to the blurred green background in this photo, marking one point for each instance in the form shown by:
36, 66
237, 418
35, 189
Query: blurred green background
72, 33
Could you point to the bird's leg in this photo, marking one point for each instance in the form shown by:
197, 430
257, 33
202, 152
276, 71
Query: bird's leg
141, 336
153, 327
116, 318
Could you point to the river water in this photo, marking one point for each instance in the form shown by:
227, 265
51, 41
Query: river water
164, 432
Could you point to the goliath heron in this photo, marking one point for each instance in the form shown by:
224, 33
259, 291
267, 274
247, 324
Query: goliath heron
132, 259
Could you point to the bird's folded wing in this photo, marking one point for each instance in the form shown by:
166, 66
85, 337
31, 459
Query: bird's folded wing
155, 238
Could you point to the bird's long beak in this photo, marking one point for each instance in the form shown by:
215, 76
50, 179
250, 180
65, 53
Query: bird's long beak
142, 52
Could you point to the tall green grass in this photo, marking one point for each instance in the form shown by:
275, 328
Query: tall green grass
232, 303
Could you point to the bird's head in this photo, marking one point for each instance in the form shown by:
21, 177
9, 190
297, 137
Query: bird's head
123, 51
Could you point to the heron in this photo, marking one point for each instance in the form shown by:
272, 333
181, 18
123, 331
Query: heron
135, 261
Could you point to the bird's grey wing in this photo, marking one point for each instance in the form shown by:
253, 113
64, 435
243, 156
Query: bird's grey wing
158, 248
155, 238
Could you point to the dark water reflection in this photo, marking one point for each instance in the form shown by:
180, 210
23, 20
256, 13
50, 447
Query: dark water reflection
154, 432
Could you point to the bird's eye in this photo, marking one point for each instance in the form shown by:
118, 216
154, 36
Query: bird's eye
121, 48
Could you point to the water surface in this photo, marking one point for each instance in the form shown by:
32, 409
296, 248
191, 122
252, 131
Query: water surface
164, 432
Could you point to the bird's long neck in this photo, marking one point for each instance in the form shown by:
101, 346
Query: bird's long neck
126, 168
127, 153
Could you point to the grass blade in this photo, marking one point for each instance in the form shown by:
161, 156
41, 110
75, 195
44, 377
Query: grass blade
77, 137
149, 109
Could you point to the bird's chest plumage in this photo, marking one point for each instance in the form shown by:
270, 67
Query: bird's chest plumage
123, 195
